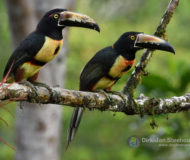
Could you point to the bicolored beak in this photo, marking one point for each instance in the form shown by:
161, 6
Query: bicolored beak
68, 18
153, 42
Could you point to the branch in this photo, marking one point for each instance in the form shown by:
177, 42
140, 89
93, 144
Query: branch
142, 106
135, 77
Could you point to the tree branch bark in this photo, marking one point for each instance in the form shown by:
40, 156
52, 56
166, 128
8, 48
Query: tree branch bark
142, 106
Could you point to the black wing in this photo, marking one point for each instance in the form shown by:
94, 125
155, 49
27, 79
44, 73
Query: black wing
97, 68
28, 48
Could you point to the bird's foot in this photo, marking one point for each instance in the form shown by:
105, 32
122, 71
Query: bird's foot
39, 84
33, 88
105, 94
31, 85
45, 86
122, 95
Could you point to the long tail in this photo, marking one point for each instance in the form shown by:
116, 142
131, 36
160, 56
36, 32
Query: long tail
74, 124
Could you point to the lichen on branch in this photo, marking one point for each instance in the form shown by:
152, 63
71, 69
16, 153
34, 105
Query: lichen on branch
94, 100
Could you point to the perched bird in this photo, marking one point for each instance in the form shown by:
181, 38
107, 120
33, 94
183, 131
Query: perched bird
110, 64
43, 45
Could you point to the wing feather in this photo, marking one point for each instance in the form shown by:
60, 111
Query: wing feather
97, 68
27, 49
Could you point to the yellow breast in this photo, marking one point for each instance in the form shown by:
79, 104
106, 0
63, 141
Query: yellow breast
103, 83
49, 50
119, 67
30, 69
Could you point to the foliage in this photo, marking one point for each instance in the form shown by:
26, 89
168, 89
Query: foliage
102, 135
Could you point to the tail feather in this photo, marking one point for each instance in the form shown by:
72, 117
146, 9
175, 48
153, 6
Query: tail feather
74, 124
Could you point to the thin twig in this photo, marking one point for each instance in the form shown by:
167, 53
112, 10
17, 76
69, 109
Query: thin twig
135, 78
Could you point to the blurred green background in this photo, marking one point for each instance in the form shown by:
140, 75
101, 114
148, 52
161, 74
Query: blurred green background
103, 135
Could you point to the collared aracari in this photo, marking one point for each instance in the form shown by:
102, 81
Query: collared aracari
43, 45
110, 64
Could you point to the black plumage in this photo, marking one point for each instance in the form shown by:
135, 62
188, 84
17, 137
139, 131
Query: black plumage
28, 48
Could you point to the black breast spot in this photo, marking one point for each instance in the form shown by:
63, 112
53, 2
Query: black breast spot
36, 62
56, 50
112, 78
127, 68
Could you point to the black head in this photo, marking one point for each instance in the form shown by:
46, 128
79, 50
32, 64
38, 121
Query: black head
48, 25
130, 42
126, 42
57, 19
51, 18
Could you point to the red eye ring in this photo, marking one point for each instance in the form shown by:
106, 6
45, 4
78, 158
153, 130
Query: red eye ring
51, 15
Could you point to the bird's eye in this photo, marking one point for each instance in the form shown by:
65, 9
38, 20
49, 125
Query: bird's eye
56, 16
132, 37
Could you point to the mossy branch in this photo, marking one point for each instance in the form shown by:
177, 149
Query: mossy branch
141, 106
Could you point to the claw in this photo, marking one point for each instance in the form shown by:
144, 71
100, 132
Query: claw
105, 94
31, 85
33, 88
45, 86
123, 96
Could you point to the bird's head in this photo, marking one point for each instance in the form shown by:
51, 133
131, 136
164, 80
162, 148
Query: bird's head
57, 19
130, 42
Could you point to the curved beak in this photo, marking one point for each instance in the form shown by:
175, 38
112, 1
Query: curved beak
68, 18
153, 42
